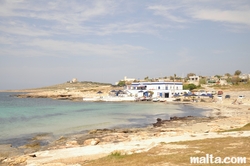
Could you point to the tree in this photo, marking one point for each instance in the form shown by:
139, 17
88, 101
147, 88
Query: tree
237, 72
121, 83
189, 86
203, 81
228, 75
218, 76
236, 80
146, 78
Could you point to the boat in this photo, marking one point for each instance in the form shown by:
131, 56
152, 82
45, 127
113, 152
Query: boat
143, 99
148, 98
155, 99
162, 99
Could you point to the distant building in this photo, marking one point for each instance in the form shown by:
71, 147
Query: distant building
223, 82
194, 80
159, 89
244, 77
74, 80
128, 79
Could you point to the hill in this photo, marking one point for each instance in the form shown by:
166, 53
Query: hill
68, 91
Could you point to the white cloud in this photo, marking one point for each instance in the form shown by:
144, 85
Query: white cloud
168, 12
56, 16
62, 11
50, 18
39, 47
21, 28
127, 27
186, 11
229, 16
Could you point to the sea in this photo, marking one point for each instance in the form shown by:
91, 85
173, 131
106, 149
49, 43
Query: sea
23, 118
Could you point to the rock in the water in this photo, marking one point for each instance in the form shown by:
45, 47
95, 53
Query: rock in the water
158, 120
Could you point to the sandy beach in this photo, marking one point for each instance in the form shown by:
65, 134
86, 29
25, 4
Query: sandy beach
225, 115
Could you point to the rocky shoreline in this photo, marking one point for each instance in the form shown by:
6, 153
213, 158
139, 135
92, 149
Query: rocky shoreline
98, 137
100, 142
51, 96
174, 127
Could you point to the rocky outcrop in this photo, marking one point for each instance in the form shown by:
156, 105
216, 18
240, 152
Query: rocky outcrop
179, 121
52, 96
93, 141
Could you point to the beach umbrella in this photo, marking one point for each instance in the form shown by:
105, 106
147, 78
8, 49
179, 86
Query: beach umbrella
99, 92
120, 92
176, 95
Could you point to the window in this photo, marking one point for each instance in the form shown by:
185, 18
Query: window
159, 87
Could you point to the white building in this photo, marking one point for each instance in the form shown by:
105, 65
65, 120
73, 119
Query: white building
194, 80
159, 89
244, 77
128, 79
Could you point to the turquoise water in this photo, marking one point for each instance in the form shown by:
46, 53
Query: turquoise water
20, 117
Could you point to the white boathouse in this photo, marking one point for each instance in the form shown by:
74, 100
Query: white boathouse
159, 89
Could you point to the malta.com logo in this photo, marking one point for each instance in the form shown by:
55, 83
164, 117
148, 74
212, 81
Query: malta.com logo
210, 159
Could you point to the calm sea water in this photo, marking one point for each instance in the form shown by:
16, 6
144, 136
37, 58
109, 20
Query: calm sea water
20, 117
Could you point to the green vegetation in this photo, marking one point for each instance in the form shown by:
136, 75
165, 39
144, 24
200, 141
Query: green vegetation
75, 85
146, 78
203, 81
189, 86
244, 128
116, 155
239, 86
121, 83
237, 72
166, 154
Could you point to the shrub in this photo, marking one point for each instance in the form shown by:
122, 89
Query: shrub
121, 83
189, 86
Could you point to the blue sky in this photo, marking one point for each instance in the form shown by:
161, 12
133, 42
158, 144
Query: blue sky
46, 42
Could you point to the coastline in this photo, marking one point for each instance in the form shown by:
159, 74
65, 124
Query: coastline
99, 143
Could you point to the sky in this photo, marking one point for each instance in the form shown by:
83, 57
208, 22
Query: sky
47, 42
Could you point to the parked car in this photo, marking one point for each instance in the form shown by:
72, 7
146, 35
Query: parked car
210, 96
241, 96
219, 97
227, 97
220, 92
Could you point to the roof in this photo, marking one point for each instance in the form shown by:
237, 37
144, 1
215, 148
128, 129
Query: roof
156, 83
